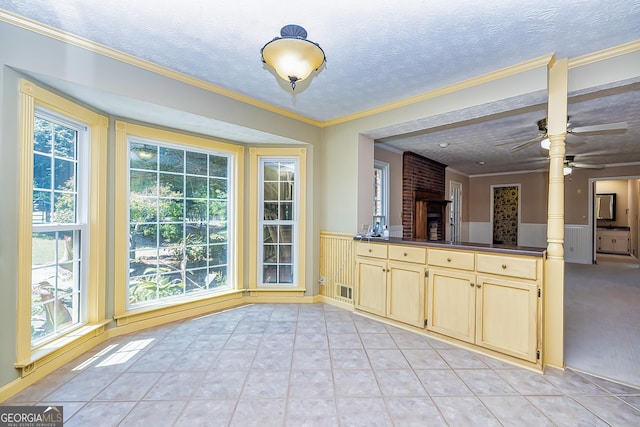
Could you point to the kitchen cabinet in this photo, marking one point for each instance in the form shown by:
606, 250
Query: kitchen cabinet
390, 281
613, 241
488, 300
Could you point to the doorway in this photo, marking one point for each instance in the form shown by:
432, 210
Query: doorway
455, 212
505, 214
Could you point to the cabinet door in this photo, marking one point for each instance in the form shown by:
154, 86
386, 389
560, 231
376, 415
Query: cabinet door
606, 244
451, 304
405, 293
371, 286
507, 316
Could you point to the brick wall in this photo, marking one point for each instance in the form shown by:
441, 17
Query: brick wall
418, 173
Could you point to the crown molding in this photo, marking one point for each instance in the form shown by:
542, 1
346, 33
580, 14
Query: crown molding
126, 58
604, 54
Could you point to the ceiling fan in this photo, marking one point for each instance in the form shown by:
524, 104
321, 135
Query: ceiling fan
543, 139
570, 164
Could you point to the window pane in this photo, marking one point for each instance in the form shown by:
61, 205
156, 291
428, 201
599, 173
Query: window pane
142, 209
196, 163
271, 191
171, 184
286, 191
286, 232
196, 187
218, 233
171, 160
171, 210
143, 182
41, 171
143, 156
270, 274
64, 175
64, 142
218, 166
270, 253
284, 253
42, 134
286, 211
43, 250
271, 171
270, 233
286, 274
217, 211
64, 208
270, 211
218, 188
41, 207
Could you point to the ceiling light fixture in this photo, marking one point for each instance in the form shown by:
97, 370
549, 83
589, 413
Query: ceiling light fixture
545, 143
566, 170
292, 56
443, 144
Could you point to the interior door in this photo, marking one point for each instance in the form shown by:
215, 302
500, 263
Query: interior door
505, 214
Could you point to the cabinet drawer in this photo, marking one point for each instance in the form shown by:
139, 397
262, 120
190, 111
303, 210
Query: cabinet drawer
372, 250
408, 254
524, 268
451, 259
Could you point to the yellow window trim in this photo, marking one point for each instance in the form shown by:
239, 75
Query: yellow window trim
32, 96
162, 309
254, 154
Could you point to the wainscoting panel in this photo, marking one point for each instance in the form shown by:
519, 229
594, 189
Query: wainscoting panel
578, 246
532, 235
480, 232
337, 261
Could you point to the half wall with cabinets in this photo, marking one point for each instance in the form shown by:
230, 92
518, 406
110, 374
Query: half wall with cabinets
481, 297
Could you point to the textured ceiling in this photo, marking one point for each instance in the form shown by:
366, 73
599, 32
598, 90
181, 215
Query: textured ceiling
378, 52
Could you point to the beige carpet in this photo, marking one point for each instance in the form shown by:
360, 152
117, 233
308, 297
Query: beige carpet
602, 318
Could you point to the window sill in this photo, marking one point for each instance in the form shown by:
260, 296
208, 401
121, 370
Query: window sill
178, 308
62, 347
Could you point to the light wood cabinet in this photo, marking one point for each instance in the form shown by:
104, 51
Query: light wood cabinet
492, 310
391, 284
613, 241
371, 286
452, 304
490, 300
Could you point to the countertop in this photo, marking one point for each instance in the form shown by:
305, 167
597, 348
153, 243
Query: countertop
484, 247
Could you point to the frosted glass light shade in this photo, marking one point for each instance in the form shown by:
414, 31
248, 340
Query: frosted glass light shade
545, 143
292, 56
566, 170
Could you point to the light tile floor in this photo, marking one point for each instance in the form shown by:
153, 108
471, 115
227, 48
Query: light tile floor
314, 365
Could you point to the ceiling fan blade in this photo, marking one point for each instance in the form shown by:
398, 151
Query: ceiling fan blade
514, 141
584, 166
606, 127
525, 144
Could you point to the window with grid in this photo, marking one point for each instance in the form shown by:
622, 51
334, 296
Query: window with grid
179, 213
278, 226
381, 190
59, 226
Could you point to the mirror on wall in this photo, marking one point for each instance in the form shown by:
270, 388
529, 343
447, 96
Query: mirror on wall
606, 206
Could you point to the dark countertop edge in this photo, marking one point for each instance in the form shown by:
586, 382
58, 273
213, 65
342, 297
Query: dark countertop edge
483, 247
614, 227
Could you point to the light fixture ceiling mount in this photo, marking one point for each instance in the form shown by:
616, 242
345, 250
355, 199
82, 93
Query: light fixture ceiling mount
292, 56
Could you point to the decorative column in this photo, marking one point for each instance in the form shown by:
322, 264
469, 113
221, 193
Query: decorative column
553, 322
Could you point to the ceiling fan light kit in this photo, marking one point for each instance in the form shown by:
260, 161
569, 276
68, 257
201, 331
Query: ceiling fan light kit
292, 56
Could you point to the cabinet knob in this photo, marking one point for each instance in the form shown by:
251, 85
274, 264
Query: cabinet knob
471, 284
478, 286
370, 250
405, 254
448, 259
504, 266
